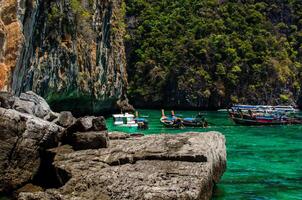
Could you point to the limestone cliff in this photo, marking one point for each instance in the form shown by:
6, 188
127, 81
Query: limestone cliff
10, 40
72, 52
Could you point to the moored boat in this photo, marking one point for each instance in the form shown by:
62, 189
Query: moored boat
198, 121
264, 108
129, 120
142, 123
264, 117
171, 121
125, 120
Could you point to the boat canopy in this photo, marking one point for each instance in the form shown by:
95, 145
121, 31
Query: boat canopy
123, 115
264, 108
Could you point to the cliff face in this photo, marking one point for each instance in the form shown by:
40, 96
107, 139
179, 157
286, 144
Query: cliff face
10, 40
72, 53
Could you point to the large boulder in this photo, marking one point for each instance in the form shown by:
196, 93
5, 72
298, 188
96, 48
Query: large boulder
87, 133
124, 105
41, 109
89, 140
66, 119
6, 100
29, 103
88, 123
22, 138
184, 166
24, 106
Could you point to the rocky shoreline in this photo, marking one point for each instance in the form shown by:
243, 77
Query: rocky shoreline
48, 155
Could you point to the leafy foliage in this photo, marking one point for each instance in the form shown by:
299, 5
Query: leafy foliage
212, 53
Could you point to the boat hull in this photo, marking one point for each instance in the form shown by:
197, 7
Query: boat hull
195, 124
171, 123
255, 122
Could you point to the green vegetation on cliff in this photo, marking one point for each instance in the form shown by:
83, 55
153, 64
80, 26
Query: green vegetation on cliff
211, 53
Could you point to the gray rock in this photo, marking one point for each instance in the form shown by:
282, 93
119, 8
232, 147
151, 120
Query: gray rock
124, 105
52, 117
29, 103
118, 135
24, 106
22, 136
89, 140
99, 124
65, 119
41, 108
6, 100
88, 123
183, 166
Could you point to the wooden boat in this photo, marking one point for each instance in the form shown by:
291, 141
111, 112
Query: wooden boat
124, 120
264, 108
255, 119
129, 120
260, 122
142, 123
171, 121
198, 121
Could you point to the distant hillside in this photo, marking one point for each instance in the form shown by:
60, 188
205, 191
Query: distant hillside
210, 53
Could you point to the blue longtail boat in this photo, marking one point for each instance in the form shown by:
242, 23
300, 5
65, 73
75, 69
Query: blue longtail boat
198, 121
171, 121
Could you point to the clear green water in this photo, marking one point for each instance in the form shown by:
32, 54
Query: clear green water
263, 162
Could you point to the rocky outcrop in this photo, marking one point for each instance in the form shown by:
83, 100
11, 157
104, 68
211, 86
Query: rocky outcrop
65, 119
28, 127
87, 133
183, 166
22, 138
89, 140
70, 52
33, 104
118, 135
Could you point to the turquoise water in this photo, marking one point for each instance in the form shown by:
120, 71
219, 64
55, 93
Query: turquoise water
264, 163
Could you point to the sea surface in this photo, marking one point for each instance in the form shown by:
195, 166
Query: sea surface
263, 163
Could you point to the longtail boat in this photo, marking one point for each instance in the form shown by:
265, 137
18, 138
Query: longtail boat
198, 121
142, 122
129, 120
252, 118
264, 108
171, 121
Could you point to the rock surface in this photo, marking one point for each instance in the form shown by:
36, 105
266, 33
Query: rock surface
88, 123
66, 119
118, 135
6, 100
183, 166
28, 103
26, 135
22, 137
89, 140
